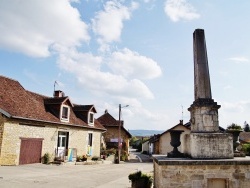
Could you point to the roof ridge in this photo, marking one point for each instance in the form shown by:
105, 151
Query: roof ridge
13, 80
32, 92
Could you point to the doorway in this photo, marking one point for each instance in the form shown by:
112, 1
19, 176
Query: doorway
62, 144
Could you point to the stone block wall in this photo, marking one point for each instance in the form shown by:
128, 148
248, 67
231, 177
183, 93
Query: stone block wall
113, 132
13, 131
202, 174
211, 145
1, 133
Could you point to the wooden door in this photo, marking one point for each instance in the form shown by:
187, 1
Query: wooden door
30, 150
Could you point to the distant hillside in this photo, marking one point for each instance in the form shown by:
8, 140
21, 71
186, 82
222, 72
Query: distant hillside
144, 132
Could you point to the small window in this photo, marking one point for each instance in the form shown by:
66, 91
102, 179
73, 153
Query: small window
91, 118
65, 113
90, 139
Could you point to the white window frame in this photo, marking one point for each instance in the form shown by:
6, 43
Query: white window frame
89, 118
61, 113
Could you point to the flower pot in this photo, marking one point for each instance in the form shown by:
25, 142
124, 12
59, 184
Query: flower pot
175, 142
141, 183
236, 141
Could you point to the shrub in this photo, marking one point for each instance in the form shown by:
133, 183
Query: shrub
140, 180
246, 148
95, 158
81, 158
46, 158
234, 126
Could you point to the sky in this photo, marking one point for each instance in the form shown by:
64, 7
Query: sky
137, 53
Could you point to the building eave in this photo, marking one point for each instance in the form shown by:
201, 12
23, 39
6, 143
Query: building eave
57, 123
5, 113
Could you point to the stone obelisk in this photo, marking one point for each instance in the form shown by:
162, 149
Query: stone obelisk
205, 139
204, 111
201, 70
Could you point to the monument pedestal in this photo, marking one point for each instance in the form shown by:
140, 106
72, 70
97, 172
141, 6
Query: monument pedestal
194, 173
211, 146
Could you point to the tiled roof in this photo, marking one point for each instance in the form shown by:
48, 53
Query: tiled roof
78, 107
109, 121
57, 100
17, 102
245, 137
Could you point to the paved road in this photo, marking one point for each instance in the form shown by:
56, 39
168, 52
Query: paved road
85, 176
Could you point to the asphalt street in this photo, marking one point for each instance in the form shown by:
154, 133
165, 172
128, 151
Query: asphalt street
84, 176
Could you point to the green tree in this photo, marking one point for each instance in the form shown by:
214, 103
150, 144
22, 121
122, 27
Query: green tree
234, 126
246, 127
132, 141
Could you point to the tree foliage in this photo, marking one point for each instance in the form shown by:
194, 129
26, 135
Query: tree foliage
234, 126
246, 128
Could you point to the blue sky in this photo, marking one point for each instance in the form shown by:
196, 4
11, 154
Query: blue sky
136, 53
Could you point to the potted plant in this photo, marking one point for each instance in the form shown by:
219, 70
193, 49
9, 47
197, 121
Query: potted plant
235, 130
46, 158
84, 158
140, 180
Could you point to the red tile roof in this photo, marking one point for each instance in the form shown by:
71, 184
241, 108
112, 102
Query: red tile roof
245, 137
109, 121
17, 102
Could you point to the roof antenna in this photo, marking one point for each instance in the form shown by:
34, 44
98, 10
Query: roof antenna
181, 112
55, 85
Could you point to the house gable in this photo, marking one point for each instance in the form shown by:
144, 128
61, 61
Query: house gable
86, 113
109, 121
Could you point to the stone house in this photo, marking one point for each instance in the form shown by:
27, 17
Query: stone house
32, 125
112, 134
165, 138
244, 137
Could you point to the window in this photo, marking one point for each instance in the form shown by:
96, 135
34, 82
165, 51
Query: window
90, 139
65, 113
91, 118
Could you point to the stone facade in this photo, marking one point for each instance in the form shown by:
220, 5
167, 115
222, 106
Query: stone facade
201, 174
14, 130
113, 132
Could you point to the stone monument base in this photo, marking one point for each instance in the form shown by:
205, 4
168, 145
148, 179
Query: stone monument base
190, 173
210, 146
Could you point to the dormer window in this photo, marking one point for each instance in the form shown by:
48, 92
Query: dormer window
65, 113
91, 118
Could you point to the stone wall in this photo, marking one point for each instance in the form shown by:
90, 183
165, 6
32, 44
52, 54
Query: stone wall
12, 131
202, 174
1, 132
113, 132
211, 145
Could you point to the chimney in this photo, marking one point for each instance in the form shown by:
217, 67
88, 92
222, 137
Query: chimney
59, 93
181, 122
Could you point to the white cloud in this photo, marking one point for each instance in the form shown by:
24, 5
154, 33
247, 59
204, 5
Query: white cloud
239, 59
234, 112
108, 23
33, 27
36, 29
131, 64
87, 68
227, 87
180, 10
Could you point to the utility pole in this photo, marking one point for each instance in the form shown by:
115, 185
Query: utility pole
119, 135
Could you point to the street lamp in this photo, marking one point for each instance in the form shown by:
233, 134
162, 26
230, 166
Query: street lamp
119, 133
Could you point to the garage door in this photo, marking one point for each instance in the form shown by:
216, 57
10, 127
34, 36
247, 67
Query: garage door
30, 150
